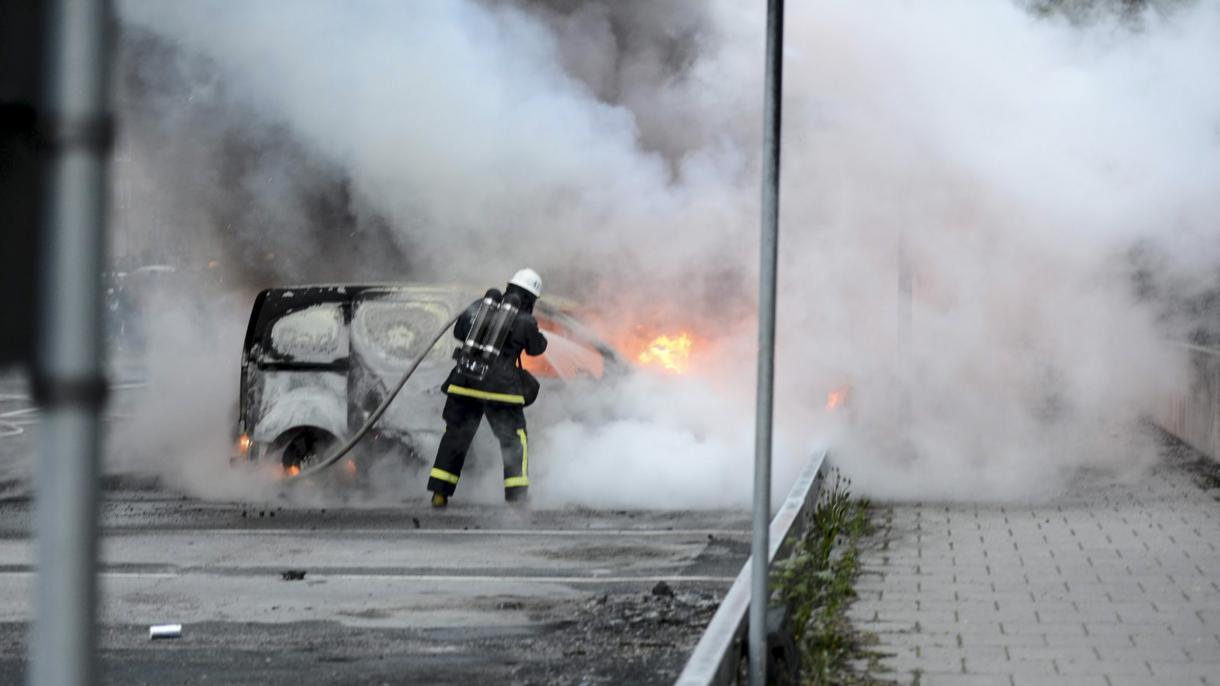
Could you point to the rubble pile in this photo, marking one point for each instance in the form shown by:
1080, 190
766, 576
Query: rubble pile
637, 637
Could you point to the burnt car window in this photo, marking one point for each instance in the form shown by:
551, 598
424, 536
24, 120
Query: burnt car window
315, 335
395, 333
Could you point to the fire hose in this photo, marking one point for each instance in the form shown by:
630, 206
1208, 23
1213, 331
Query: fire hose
350, 443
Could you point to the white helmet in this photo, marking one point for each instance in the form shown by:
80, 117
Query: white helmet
529, 280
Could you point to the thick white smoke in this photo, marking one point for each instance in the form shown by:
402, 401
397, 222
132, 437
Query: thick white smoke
1018, 159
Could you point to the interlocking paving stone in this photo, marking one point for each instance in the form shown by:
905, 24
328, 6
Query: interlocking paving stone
1045, 680
1177, 672
965, 680
1114, 584
1143, 681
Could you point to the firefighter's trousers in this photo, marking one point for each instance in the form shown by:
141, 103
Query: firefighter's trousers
462, 417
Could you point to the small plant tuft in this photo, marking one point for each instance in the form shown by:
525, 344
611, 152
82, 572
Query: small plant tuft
816, 582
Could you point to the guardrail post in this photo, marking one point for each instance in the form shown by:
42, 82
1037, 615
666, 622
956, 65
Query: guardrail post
717, 657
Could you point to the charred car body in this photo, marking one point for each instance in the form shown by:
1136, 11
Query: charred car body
317, 360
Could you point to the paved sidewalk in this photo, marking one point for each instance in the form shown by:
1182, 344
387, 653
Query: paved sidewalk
1115, 585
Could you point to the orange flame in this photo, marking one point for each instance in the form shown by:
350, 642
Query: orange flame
293, 470
670, 353
836, 398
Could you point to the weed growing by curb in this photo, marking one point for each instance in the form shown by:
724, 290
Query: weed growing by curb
816, 582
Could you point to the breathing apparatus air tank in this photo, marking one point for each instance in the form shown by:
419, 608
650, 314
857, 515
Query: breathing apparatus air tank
488, 332
482, 317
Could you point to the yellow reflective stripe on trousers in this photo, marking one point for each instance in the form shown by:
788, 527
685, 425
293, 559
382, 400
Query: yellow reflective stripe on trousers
524, 479
454, 389
444, 476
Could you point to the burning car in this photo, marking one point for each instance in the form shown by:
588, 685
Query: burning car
317, 360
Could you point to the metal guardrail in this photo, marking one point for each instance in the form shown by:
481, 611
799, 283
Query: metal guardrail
717, 657
1193, 414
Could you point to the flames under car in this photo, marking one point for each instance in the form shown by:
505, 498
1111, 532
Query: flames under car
317, 360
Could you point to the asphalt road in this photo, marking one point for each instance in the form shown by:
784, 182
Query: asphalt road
472, 594
17, 416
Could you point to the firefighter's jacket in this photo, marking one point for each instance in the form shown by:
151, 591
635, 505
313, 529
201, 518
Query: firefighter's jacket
506, 381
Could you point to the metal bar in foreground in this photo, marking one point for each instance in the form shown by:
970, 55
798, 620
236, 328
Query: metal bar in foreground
75, 134
769, 254
717, 656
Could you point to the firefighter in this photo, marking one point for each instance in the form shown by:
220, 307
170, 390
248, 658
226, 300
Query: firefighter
489, 380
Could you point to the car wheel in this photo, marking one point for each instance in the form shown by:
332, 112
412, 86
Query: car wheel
305, 447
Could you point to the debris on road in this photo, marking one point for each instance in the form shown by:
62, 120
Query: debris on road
631, 637
292, 574
663, 589
688, 610
157, 631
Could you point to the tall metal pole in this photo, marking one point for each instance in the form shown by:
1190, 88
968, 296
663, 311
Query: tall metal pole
75, 132
769, 249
